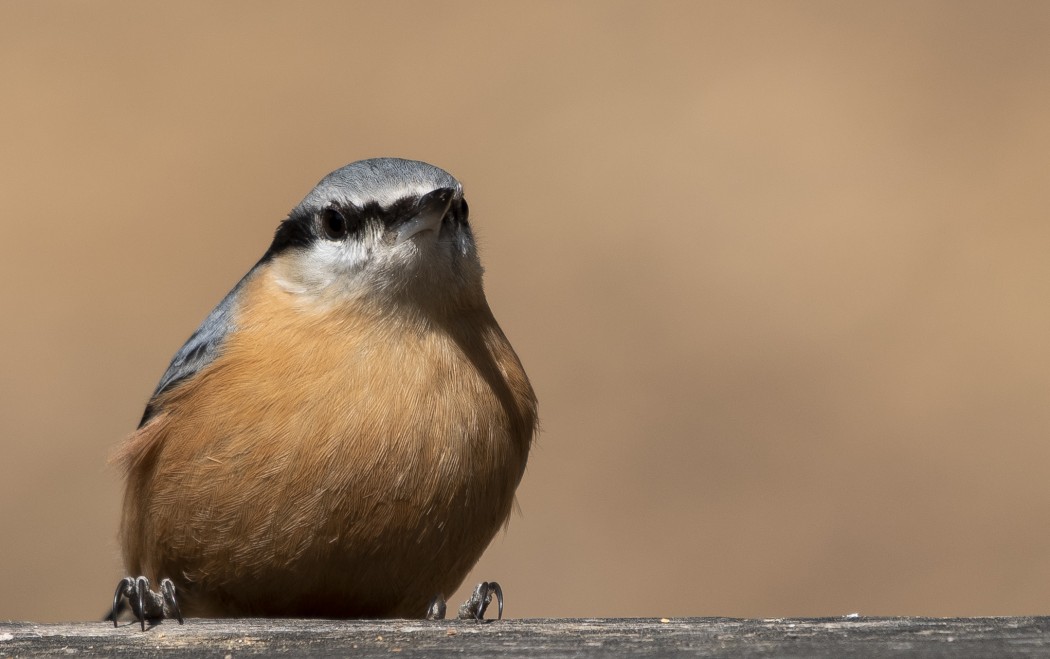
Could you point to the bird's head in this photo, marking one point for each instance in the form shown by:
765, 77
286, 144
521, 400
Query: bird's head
387, 230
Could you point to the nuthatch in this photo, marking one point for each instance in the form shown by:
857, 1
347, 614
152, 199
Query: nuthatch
344, 433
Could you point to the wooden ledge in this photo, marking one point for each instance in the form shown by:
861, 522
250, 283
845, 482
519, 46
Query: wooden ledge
585, 637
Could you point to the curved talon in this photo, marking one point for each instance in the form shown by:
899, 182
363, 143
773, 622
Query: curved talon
488, 589
124, 589
167, 589
498, 592
141, 588
485, 593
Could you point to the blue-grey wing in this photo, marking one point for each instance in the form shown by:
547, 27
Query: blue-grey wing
200, 349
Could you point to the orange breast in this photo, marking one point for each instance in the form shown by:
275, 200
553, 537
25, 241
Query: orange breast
347, 461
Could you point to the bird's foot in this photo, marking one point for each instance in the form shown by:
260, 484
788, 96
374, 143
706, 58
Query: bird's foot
474, 608
146, 604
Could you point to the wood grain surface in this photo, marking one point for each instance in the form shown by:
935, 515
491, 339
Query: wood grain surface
626, 637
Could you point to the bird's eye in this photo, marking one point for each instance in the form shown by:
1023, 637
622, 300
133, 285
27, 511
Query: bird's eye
333, 224
464, 210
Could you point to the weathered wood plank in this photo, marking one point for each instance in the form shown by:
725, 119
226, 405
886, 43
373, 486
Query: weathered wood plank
695, 637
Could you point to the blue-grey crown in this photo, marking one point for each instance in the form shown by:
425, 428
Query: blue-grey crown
379, 180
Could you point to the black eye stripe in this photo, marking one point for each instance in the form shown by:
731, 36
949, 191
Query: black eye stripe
338, 221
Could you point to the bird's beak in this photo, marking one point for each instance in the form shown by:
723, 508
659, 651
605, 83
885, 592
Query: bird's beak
430, 211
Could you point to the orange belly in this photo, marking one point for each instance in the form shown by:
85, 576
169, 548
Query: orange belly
354, 467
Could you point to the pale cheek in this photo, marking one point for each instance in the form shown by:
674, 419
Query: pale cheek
323, 267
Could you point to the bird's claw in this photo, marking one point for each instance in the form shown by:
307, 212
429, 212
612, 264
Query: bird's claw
145, 603
474, 608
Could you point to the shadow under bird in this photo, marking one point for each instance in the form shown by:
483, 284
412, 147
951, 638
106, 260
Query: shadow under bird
344, 433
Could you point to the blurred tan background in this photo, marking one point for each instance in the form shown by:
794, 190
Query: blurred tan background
778, 270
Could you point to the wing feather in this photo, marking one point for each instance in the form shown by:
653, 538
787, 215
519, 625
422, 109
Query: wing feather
203, 346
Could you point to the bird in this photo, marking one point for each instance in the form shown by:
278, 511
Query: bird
344, 434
